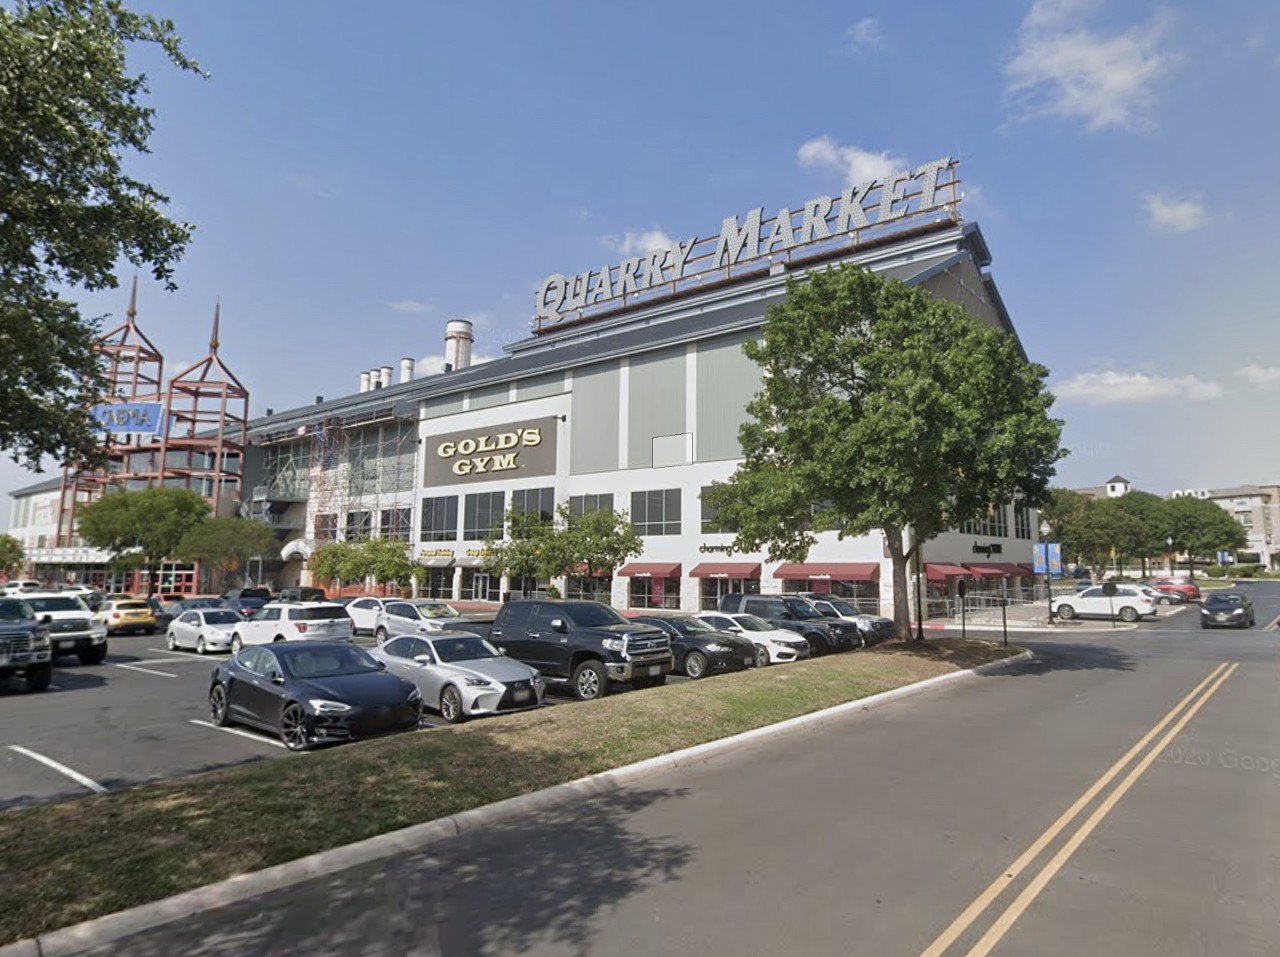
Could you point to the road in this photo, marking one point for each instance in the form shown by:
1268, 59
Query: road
878, 835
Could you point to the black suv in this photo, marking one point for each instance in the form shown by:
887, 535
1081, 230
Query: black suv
797, 614
24, 643
698, 648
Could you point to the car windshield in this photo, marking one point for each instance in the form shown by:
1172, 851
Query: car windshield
692, 626
590, 615
254, 594
59, 603
752, 623
463, 648
318, 613
132, 606
221, 616
15, 611
326, 661
436, 609
842, 606
1224, 601
801, 608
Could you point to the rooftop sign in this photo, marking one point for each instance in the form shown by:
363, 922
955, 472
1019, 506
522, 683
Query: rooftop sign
863, 212
129, 418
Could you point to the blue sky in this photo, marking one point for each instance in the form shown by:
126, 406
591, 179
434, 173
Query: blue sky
358, 179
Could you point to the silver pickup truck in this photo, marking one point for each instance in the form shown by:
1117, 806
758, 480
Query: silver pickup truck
24, 644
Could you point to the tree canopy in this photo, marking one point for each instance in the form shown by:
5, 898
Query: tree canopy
226, 543
12, 555
573, 543
71, 113
1199, 527
883, 407
382, 559
148, 525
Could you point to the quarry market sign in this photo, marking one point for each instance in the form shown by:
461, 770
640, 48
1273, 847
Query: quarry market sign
859, 213
128, 418
516, 450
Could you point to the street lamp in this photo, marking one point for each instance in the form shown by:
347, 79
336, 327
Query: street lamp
1169, 542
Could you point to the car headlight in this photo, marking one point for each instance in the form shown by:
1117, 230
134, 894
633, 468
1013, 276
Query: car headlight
1204, 611
718, 647
479, 683
537, 678
325, 706
40, 639
613, 644
99, 629
1237, 611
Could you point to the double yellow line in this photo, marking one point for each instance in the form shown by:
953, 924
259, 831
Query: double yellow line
1187, 707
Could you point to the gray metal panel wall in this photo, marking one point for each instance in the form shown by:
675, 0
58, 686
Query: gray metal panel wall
655, 405
962, 283
442, 405
539, 387
727, 381
593, 419
490, 395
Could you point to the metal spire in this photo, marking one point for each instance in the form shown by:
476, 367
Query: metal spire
132, 311
217, 315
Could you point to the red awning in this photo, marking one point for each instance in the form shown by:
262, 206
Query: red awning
998, 570
939, 572
726, 570
837, 571
651, 570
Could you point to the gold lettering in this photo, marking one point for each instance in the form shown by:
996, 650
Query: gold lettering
531, 437
485, 444
446, 450
462, 467
504, 463
466, 446
478, 465
507, 440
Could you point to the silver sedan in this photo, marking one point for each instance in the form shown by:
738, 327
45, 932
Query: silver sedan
204, 629
462, 675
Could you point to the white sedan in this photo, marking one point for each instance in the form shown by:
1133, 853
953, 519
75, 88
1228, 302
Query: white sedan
773, 645
462, 675
1128, 603
204, 629
406, 618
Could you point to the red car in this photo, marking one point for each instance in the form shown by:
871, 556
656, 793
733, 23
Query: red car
1177, 586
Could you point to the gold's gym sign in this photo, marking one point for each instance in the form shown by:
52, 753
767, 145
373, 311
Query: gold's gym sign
527, 448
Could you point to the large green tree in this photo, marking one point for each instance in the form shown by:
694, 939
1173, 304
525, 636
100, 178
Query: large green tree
1152, 512
334, 562
526, 548
1200, 527
226, 543
13, 558
145, 527
1095, 531
71, 113
883, 407
572, 543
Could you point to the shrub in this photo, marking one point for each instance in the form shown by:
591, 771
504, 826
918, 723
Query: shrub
1248, 570
1216, 571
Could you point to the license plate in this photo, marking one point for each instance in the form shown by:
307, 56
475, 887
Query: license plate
66, 644
746, 661
653, 670
522, 695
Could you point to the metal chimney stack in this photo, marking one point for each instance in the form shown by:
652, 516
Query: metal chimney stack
384, 376
406, 370
364, 382
457, 343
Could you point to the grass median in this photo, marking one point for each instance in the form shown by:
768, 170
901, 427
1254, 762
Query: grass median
81, 859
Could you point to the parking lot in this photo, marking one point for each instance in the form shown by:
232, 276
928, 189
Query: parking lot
139, 716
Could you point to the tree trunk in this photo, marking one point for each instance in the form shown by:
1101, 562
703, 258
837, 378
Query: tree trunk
153, 572
901, 596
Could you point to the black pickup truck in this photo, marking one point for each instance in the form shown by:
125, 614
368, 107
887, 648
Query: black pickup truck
797, 614
584, 642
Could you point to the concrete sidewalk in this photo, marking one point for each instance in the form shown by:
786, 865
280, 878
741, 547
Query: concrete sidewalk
1025, 618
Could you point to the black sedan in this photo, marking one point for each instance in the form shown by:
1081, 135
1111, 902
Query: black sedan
699, 649
1228, 609
310, 692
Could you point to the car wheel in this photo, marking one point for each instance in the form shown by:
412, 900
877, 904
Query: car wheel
38, 679
695, 665
590, 681
762, 656
451, 705
818, 646
1129, 613
171, 642
380, 636
94, 655
1065, 612
293, 727
218, 705
236, 644
201, 648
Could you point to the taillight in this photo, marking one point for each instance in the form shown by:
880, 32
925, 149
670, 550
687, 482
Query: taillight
115, 614
301, 626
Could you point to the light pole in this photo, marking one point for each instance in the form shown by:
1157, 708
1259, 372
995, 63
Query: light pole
1169, 542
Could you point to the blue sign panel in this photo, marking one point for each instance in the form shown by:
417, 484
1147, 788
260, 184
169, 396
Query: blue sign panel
1041, 560
129, 418
1055, 559
1048, 559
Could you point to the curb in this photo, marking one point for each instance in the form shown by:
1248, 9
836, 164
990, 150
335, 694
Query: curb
78, 938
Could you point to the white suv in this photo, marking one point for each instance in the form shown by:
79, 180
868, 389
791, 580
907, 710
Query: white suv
293, 621
1127, 604
72, 630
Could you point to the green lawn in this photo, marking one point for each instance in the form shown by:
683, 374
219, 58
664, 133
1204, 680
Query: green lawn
96, 855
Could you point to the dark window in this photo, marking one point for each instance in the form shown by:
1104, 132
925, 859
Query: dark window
399, 647
653, 593
395, 523
326, 528
656, 512
359, 525
994, 525
711, 524
541, 501
318, 613
401, 609
584, 504
542, 620
482, 517
440, 519
517, 616
1022, 521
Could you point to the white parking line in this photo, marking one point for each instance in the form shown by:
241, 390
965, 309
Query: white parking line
185, 659
76, 776
149, 671
244, 734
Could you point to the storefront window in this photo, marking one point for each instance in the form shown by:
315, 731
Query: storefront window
714, 588
527, 586
646, 592
863, 595
480, 585
439, 583
583, 588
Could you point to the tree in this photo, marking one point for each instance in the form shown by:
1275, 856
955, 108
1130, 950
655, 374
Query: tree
1093, 532
227, 543
526, 548
13, 558
1200, 527
71, 113
333, 562
572, 543
385, 559
1151, 511
884, 408
145, 526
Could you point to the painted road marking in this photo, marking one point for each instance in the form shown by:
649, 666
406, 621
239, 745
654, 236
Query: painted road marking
1011, 873
149, 671
244, 734
76, 776
179, 654
168, 661
1024, 900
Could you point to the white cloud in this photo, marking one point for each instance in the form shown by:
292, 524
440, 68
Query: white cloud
1062, 68
1112, 388
855, 164
409, 305
1174, 215
865, 34
1267, 377
637, 243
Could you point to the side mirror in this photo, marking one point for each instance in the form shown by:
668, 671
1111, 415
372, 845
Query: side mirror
46, 619
502, 648
276, 679
382, 666
424, 660
558, 624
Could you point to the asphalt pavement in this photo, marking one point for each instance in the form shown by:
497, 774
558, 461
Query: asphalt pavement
1116, 796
